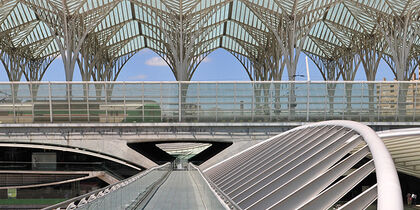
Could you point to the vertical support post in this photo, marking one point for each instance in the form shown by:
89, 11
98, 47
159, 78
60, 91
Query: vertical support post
378, 108
198, 102
271, 100
217, 105
13, 101
398, 100
87, 100
234, 101
343, 116
307, 97
361, 101
125, 103
415, 100
179, 101
32, 100
253, 102
68, 99
289, 104
106, 101
161, 99
326, 99
50, 102
142, 102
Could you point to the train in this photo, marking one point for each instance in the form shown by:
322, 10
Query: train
80, 111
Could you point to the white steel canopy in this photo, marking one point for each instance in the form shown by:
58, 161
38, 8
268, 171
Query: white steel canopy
265, 35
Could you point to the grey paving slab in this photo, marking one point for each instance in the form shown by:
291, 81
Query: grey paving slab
180, 191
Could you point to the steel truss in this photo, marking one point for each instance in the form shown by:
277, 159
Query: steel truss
266, 36
310, 167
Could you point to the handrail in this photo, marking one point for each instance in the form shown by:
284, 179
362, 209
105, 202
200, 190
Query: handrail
226, 201
88, 197
250, 101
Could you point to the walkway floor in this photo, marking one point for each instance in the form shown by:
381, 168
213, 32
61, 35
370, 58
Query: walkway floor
179, 191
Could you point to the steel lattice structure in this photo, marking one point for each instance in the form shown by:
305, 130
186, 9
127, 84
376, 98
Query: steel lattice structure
266, 36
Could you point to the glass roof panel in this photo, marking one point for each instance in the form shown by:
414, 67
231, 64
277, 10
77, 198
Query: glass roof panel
233, 24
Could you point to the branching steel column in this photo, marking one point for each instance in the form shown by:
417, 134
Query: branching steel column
13, 64
70, 24
348, 63
108, 69
180, 30
263, 63
370, 50
89, 55
35, 69
290, 28
400, 32
330, 72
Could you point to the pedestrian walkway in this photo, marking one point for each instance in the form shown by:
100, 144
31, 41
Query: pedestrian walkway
183, 190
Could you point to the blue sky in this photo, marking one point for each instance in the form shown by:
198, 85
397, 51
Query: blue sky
220, 65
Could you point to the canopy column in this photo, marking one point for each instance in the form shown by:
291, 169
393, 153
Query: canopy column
70, 24
330, 72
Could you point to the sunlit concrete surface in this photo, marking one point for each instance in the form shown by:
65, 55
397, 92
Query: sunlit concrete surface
181, 191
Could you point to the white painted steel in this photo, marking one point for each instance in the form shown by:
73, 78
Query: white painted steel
321, 182
389, 190
339, 189
363, 200
403, 146
293, 169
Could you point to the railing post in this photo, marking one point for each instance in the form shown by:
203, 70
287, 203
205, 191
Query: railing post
179, 101
68, 98
253, 102
326, 99
198, 102
50, 101
378, 105
161, 99
142, 102
307, 100
106, 101
271, 99
217, 105
397, 110
87, 100
31, 93
125, 102
234, 102
13, 101
361, 102
415, 102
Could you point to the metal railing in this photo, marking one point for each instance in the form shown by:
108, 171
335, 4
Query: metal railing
136, 102
119, 195
209, 190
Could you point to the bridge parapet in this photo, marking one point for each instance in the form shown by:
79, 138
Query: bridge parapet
142, 102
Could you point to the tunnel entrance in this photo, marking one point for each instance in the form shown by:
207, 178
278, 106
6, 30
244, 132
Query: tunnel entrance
195, 152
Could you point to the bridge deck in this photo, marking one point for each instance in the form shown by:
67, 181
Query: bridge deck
181, 191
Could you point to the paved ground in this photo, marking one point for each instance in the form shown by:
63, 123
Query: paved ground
180, 191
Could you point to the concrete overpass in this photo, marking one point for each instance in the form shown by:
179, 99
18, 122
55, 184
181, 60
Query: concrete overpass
101, 139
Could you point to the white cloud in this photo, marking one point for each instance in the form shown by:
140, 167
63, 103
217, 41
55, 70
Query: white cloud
138, 77
156, 61
206, 60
